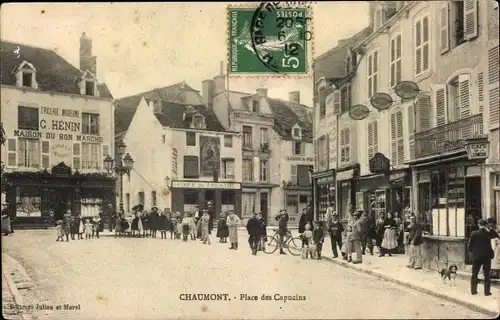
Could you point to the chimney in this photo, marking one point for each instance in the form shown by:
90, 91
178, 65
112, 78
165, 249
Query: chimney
294, 97
207, 92
220, 80
262, 92
87, 61
157, 105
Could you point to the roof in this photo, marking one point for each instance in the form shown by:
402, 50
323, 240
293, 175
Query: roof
286, 114
172, 115
53, 73
126, 106
332, 62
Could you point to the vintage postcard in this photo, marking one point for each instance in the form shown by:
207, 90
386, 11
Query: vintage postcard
250, 160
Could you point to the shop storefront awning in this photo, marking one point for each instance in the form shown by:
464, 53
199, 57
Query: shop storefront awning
345, 175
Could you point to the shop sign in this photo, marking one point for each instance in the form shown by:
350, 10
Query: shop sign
299, 158
205, 185
398, 177
325, 180
477, 150
174, 163
379, 163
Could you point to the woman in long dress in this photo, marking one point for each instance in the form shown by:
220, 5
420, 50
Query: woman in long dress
222, 229
389, 242
379, 231
140, 225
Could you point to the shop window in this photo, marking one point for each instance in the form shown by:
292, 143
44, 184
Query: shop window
227, 201
90, 123
292, 204
91, 155
191, 167
90, 206
28, 153
190, 139
247, 170
247, 137
228, 141
190, 200
303, 202
28, 202
378, 203
27, 118
247, 203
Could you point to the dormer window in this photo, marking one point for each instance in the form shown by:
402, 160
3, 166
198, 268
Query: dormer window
198, 122
89, 88
297, 132
88, 85
26, 76
255, 106
27, 79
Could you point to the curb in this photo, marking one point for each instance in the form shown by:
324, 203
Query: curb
418, 288
15, 293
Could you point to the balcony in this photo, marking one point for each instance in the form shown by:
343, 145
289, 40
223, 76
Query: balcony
448, 138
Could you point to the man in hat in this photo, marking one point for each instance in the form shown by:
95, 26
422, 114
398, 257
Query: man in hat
254, 229
282, 219
96, 221
355, 236
232, 223
211, 213
366, 240
482, 253
153, 221
197, 217
335, 230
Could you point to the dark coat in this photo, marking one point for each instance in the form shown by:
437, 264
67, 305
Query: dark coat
263, 227
415, 235
222, 228
480, 245
318, 235
153, 220
135, 223
161, 222
254, 227
304, 219
74, 225
335, 230
146, 222
211, 213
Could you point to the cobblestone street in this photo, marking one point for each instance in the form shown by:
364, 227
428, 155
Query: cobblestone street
112, 278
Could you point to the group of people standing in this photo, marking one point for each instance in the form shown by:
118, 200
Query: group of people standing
77, 226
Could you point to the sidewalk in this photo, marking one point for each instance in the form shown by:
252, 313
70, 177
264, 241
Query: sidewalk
394, 269
14, 278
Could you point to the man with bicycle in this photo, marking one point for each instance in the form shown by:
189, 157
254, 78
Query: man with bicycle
282, 219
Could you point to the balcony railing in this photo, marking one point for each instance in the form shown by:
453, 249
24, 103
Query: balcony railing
448, 138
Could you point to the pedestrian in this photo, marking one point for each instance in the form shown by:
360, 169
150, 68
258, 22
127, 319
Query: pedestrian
73, 226
495, 244
66, 225
232, 223
330, 211
282, 219
355, 237
145, 224
389, 243
135, 224
6, 224
254, 233
366, 240
335, 230
162, 225
350, 221
185, 226
88, 227
153, 221
81, 227
178, 231
379, 231
97, 226
211, 213
318, 238
173, 226
118, 225
304, 219
222, 229
192, 226
263, 231
399, 233
205, 226
414, 242
59, 230
482, 253
197, 216
306, 242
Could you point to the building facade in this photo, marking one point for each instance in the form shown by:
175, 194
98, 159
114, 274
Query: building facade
277, 151
438, 156
58, 121
188, 159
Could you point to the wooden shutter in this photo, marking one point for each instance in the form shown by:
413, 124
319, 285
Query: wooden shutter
399, 68
493, 89
191, 167
464, 93
425, 44
336, 102
440, 102
480, 91
347, 151
418, 48
444, 28
370, 73
393, 65
470, 19
400, 138
371, 139
293, 173
327, 151
105, 153
423, 113
46, 154
303, 175
77, 155
394, 146
12, 152
411, 129
375, 73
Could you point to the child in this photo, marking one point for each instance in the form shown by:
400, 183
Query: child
185, 226
172, 226
88, 227
59, 230
306, 241
178, 224
162, 225
222, 229
319, 238
118, 226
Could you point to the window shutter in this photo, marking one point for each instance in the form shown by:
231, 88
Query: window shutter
399, 71
105, 153
370, 140
480, 91
348, 142
425, 44
493, 89
336, 102
418, 49
423, 114
400, 137
470, 19
293, 174
394, 146
77, 154
327, 151
375, 136
411, 119
303, 175
46, 154
12, 152
440, 102
444, 28
464, 89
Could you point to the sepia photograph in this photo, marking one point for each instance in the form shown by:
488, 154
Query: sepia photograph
250, 160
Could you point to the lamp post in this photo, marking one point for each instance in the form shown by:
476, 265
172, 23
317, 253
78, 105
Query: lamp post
121, 168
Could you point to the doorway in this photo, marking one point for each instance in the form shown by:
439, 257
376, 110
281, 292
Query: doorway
210, 196
264, 204
60, 200
473, 211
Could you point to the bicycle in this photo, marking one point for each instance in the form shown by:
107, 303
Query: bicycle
293, 244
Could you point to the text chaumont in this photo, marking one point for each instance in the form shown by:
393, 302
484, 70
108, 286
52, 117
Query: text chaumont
204, 296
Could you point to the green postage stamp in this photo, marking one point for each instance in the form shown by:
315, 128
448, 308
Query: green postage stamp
271, 39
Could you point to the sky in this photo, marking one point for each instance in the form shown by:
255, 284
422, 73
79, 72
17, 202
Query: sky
141, 46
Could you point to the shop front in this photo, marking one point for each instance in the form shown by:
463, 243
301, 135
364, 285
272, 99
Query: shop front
324, 192
346, 180
224, 196
400, 192
372, 194
37, 199
297, 198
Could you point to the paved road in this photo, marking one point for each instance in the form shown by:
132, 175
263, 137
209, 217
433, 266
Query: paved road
112, 278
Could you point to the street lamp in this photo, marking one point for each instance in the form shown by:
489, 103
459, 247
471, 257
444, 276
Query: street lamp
122, 167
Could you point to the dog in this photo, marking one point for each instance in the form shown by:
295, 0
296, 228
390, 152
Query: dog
450, 273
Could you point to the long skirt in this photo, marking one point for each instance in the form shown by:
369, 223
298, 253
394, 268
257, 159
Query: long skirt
118, 225
389, 241
222, 232
233, 234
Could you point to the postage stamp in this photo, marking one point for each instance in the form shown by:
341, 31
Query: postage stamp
274, 38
